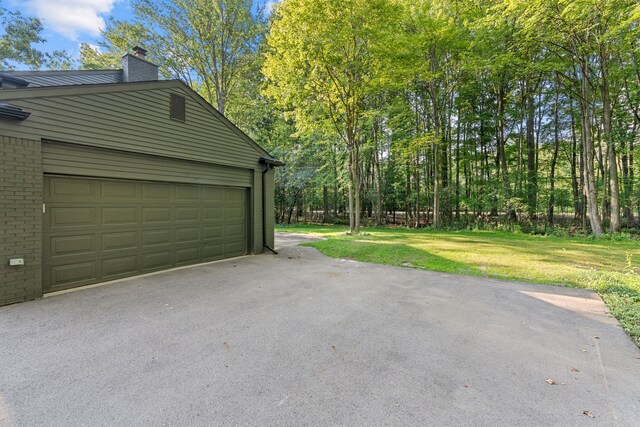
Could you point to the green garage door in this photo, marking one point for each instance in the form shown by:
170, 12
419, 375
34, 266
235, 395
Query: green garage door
97, 230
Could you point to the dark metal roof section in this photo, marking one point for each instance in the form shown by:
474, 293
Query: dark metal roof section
8, 111
66, 77
15, 81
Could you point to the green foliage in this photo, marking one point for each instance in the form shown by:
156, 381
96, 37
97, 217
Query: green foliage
621, 293
211, 45
19, 37
92, 59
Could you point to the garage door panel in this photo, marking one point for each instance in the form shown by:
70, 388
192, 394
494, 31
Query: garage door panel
213, 214
71, 216
81, 273
100, 229
120, 266
119, 241
73, 245
156, 215
212, 194
187, 256
187, 193
187, 214
156, 261
235, 249
156, 191
119, 191
119, 216
213, 232
234, 197
213, 251
157, 237
72, 189
191, 234
233, 230
233, 212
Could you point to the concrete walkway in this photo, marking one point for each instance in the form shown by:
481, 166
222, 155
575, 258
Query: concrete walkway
302, 339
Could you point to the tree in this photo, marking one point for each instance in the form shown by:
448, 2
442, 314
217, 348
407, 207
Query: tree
18, 37
325, 59
91, 58
210, 44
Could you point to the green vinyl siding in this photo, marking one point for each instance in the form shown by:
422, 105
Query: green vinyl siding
71, 159
115, 119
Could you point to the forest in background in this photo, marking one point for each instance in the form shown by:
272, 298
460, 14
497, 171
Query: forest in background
519, 114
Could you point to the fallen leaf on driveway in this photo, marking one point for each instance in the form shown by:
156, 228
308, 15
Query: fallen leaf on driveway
574, 370
588, 414
551, 382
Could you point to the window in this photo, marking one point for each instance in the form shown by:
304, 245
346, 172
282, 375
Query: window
178, 110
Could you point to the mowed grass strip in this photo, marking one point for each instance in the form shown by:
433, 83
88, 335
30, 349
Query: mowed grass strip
606, 266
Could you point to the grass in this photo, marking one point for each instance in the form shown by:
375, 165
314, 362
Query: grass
603, 265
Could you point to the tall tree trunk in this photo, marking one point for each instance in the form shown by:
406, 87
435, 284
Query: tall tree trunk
352, 223
357, 185
554, 158
532, 173
458, 168
626, 210
379, 213
607, 114
614, 189
588, 151
502, 155
325, 204
416, 186
335, 179
577, 198
436, 189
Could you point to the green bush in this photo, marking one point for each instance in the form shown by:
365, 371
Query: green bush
621, 293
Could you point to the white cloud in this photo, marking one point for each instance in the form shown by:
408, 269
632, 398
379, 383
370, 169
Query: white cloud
268, 6
72, 17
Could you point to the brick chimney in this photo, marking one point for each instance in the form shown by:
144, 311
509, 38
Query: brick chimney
135, 68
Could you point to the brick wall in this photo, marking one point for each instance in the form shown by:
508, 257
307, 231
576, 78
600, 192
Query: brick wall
20, 219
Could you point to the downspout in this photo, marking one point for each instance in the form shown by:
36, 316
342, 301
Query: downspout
268, 165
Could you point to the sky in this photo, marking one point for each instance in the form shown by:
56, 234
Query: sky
67, 23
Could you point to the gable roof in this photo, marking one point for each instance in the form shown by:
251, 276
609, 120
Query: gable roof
66, 77
97, 88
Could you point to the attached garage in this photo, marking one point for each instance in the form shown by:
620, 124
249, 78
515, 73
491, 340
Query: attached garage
104, 176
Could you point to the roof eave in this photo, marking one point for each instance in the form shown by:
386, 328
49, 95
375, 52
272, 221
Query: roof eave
271, 161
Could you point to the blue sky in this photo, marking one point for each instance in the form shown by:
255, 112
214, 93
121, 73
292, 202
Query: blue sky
67, 23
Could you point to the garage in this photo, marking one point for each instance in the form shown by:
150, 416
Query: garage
97, 230
108, 174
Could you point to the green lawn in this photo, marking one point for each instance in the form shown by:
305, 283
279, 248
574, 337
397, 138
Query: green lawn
603, 265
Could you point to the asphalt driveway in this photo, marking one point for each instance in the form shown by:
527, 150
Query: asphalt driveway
302, 339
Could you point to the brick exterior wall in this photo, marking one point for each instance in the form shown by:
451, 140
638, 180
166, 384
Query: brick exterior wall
20, 219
